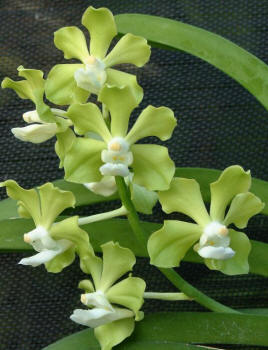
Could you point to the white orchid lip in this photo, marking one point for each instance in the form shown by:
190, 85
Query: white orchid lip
35, 133
214, 242
117, 158
92, 76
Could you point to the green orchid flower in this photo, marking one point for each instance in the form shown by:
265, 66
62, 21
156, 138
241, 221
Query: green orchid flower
55, 242
90, 159
113, 307
70, 83
223, 249
44, 121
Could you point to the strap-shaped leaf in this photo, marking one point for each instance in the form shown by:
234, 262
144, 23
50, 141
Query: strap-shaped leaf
194, 327
246, 68
11, 240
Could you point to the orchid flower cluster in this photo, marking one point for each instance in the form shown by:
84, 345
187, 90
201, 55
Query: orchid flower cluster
96, 148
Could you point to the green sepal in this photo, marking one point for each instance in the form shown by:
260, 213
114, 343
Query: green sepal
233, 180
114, 333
128, 293
238, 264
152, 167
82, 162
116, 262
61, 261
32, 88
152, 121
72, 42
43, 204
242, 208
143, 199
28, 200
63, 145
101, 26
88, 118
61, 87
68, 229
87, 286
184, 196
129, 49
120, 102
121, 79
168, 246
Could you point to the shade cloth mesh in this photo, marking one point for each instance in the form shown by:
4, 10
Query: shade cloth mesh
219, 124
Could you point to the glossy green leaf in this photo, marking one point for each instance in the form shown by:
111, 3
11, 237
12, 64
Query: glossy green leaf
160, 331
245, 68
204, 177
118, 230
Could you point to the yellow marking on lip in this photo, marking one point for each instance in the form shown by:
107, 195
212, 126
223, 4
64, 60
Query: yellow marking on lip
91, 60
223, 231
26, 238
115, 157
115, 147
83, 298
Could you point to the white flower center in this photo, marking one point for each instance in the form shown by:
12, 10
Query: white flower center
214, 242
92, 76
117, 158
40, 239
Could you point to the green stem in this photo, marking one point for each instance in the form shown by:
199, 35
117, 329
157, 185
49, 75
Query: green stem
132, 215
194, 293
171, 275
103, 216
166, 296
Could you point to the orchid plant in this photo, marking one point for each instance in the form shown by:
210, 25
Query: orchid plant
97, 149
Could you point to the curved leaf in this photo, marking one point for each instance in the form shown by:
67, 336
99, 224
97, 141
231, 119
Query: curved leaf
245, 68
118, 230
160, 331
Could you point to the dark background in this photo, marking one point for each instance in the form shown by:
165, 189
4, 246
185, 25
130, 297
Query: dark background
219, 124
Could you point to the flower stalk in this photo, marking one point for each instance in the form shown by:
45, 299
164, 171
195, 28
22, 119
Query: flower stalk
103, 216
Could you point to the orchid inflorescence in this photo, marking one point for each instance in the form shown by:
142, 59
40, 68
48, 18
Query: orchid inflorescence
96, 148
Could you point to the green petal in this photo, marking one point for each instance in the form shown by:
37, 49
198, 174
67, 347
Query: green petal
61, 261
129, 49
153, 168
143, 200
61, 87
232, 181
32, 88
121, 79
238, 264
22, 88
82, 162
64, 144
116, 262
27, 199
101, 26
114, 333
167, 246
52, 202
128, 293
184, 196
159, 122
242, 208
72, 42
120, 102
87, 286
87, 117
68, 229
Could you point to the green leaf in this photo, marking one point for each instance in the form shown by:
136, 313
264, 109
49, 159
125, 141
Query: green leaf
160, 331
204, 177
118, 230
245, 68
